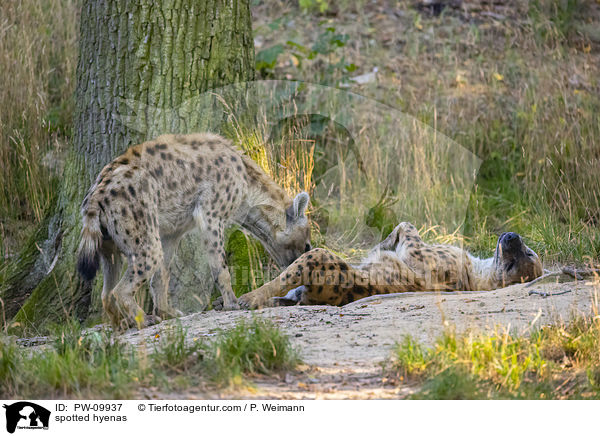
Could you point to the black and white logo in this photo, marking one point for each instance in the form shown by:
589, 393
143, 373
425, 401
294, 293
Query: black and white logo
26, 415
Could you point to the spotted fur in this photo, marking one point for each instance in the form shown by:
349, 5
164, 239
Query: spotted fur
145, 200
403, 262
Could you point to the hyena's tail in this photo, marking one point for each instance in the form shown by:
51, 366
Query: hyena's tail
91, 239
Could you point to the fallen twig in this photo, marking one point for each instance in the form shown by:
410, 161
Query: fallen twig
548, 294
544, 276
576, 273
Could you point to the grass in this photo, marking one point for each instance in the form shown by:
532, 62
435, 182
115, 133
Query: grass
38, 61
96, 364
520, 92
555, 362
93, 365
257, 347
248, 349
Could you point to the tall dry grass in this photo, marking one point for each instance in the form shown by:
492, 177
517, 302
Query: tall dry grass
519, 91
38, 56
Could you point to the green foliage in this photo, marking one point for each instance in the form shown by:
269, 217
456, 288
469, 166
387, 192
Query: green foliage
78, 365
248, 262
593, 375
267, 59
68, 336
553, 19
579, 341
255, 347
314, 5
327, 45
453, 383
410, 357
249, 348
95, 364
501, 365
174, 353
9, 360
382, 216
327, 42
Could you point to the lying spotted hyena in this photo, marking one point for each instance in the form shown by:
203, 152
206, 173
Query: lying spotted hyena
401, 263
144, 201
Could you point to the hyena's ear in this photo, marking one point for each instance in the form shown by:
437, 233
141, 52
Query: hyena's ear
300, 204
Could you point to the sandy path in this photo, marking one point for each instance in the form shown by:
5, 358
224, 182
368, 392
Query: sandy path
342, 347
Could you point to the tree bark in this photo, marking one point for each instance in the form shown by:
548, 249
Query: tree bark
156, 54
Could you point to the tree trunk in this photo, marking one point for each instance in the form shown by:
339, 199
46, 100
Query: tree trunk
154, 54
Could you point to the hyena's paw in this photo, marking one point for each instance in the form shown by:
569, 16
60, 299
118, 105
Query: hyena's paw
150, 320
218, 303
409, 229
251, 300
140, 321
169, 312
233, 305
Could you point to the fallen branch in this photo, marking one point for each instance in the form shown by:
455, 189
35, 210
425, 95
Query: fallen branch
543, 277
576, 273
580, 273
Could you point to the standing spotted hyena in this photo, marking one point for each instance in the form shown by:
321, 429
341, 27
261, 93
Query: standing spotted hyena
144, 201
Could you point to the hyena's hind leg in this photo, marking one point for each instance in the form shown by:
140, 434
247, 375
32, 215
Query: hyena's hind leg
112, 264
403, 234
142, 262
409, 233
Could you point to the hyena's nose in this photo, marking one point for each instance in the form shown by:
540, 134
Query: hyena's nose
511, 240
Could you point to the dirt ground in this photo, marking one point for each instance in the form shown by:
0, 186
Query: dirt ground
343, 347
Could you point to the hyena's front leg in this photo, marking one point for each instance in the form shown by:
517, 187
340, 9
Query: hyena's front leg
159, 285
277, 287
213, 240
309, 270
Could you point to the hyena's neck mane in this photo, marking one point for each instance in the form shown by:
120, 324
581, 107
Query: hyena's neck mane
266, 205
